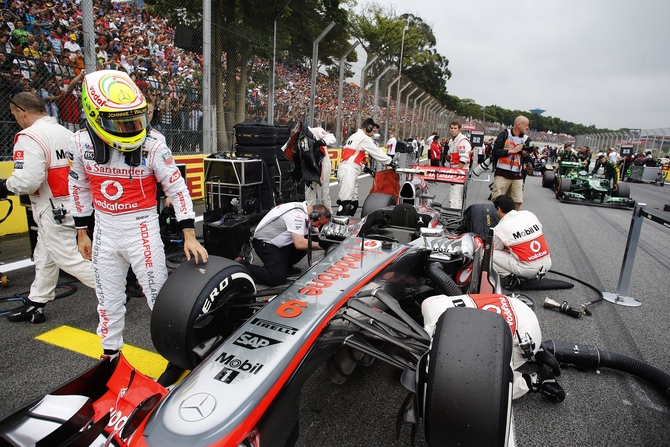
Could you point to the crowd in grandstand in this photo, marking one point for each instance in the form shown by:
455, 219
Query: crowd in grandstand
43, 43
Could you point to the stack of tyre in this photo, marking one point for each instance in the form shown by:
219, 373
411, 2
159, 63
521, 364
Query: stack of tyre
262, 140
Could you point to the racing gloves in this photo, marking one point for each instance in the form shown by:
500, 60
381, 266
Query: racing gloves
545, 383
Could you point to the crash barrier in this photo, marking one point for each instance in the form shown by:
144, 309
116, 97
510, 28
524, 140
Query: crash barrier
621, 295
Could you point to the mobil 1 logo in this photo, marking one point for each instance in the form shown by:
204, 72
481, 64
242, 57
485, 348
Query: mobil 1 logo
249, 340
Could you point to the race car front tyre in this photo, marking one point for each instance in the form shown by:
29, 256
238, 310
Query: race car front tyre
193, 311
621, 190
548, 179
564, 187
375, 201
469, 380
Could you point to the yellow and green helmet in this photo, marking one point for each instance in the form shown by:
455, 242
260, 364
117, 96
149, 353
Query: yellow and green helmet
115, 109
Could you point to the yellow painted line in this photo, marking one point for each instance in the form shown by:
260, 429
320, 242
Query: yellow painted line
147, 362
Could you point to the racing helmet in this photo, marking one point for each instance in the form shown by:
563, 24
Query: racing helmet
115, 109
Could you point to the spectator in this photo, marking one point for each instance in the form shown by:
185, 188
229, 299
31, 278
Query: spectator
72, 44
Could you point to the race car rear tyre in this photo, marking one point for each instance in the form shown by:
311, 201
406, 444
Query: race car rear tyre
548, 179
375, 201
621, 190
191, 291
564, 187
469, 380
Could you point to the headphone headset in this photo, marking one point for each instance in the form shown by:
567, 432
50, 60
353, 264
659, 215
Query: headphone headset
369, 128
314, 216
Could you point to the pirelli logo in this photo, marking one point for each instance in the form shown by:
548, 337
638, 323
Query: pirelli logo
274, 326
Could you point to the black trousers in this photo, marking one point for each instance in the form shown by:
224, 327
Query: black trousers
276, 262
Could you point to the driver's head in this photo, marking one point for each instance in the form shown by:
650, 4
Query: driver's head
454, 129
115, 109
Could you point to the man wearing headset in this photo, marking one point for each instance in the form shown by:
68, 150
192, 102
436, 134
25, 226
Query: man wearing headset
280, 240
353, 160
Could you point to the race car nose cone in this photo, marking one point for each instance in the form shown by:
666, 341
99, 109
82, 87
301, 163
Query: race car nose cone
197, 407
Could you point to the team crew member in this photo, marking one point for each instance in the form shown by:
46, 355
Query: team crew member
115, 167
459, 157
435, 150
518, 242
610, 169
321, 193
40, 170
353, 160
510, 149
280, 242
390, 146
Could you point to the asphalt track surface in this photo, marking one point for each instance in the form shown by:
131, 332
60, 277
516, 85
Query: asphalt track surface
603, 408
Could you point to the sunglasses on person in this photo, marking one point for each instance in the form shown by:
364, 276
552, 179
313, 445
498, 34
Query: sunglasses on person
11, 100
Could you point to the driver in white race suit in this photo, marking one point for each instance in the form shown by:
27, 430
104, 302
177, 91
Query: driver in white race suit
459, 157
518, 242
114, 169
353, 160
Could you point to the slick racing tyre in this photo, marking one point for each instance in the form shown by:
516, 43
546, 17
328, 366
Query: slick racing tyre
180, 330
548, 179
564, 187
375, 201
469, 380
621, 190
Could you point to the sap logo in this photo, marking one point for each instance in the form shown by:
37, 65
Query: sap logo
89, 155
253, 341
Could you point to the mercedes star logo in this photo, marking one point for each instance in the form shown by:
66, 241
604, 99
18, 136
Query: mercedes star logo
123, 98
197, 407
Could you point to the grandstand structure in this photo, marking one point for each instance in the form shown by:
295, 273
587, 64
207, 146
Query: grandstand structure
44, 50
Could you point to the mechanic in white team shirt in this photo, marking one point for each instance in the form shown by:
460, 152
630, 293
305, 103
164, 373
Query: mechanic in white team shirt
115, 166
279, 240
525, 332
351, 165
518, 241
315, 193
459, 157
41, 170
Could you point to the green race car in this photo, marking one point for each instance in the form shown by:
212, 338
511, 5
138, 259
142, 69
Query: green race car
574, 184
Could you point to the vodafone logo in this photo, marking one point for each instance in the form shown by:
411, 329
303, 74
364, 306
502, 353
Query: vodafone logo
535, 246
111, 189
492, 308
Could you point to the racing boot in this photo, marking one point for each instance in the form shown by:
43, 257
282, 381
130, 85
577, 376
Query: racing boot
111, 354
31, 311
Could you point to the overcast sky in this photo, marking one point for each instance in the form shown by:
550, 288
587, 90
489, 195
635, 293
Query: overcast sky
600, 62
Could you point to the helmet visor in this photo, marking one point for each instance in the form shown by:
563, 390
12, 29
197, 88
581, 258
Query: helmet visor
123, 125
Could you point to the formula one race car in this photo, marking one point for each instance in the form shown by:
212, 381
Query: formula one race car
574, 184
251, 350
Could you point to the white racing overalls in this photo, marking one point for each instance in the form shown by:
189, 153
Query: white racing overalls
518, 315
353, 160
321, 194
41, 171
519, 245
126, 222
459, 152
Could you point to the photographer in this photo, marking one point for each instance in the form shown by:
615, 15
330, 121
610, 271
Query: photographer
511, 148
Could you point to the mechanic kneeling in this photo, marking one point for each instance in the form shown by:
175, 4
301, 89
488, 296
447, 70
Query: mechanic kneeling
280, 240
518, 242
